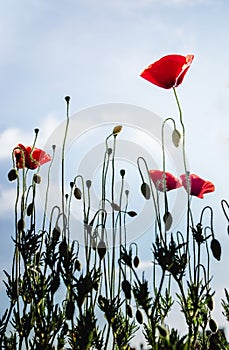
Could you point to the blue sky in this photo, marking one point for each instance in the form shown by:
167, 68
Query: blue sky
94, 51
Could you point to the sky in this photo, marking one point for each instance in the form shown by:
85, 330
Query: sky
94, 51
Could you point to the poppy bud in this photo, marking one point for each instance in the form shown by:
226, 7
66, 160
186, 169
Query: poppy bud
176, 136
101, 249
136, 261
69, 311
145, 190
126, 287
36, 130
67, 98
55, 283
129, 311
167, 218
132, 213
209, 301
216, 249
162, 331
77, 193
88, 183
29, 209
127, 192
12, 175
115, 206
117, 130
139, 316
93, 244
56, 233
78, 265
109, 151
212, 325
71, 184
37, 178
122, 172
63, 248
20, 224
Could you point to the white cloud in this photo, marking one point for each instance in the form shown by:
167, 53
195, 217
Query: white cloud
7, 200
9, 138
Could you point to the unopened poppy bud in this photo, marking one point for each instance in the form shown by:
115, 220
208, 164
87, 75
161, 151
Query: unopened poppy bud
126, 287
131, 213
70, 308
78, 265
77, 193
93, 244
36, 130
122, 172
117, 130
216, 249
136, 261
88, 183
67, 98
145, 190
162, 331
12, 175
209, 301
109, 151
101, 249
21, 224
176, 136
115, 206
71, 184
129, 311
29, 210
96, 286
212, 325
56, 233
167, 218
37, 178
138, 316
63, 248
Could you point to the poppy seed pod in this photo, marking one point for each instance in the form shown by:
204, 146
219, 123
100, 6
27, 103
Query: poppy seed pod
88, 183
56, 233
67, 98
12, 175
122, 172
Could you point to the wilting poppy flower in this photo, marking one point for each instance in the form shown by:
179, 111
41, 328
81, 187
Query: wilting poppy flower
171, 181
169, 71
26, 157
198, 186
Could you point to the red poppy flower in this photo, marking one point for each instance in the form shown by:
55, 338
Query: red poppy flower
158, 179
198, 186
28, 158
169, 71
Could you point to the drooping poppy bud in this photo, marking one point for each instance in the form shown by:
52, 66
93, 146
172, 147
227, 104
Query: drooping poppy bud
126, 287
168, 220
145, 190
129, 311
132, 213
117, 129
176, 136
139, 316
29, 210
216, 249
136, 261
212, 325
77, 193
37, 178
12, 175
